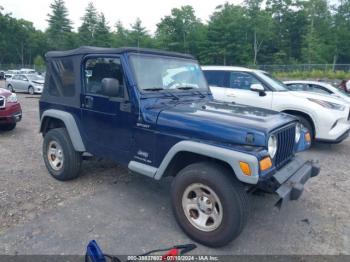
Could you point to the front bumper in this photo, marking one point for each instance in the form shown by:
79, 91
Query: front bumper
288, 182
38, 89
337, 140
11, 114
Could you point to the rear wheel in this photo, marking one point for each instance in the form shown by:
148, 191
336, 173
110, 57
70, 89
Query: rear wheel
10, 87
31, 90
61, 159
209, 204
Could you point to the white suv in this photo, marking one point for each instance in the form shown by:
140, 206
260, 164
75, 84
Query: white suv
326, 118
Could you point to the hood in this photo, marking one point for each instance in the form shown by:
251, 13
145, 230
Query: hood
220, 122
4, 92
314, 95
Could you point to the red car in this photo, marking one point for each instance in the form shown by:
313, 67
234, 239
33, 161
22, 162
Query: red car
10, 110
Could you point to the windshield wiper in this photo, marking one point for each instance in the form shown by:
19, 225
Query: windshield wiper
196, 92
175, 97
154, 89
185, 87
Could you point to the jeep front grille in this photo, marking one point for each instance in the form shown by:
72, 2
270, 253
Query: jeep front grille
2, 101
285, 145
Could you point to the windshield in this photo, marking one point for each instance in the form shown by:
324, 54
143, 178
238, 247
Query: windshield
155, 73
276, 84
339, 89
34, 77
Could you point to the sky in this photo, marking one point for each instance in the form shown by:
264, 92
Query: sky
149, 11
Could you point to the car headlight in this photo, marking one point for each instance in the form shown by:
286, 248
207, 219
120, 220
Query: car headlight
12, 98
327, 104
297, 132
272, 146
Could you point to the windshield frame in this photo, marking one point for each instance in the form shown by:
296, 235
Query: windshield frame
172, 90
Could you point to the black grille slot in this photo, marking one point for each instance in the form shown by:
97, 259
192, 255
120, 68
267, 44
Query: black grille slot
285, 145
2, 101
349, 116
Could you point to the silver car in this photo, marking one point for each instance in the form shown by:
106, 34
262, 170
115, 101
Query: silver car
30, 83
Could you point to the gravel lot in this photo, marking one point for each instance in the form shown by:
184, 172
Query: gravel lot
129, 214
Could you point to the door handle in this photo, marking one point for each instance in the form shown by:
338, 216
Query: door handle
231, 95
89, 102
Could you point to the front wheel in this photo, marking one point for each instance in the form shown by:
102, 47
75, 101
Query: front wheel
209, 204
306, 124
8, 127
31, 90
61, 159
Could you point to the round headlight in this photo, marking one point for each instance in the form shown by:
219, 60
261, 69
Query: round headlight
297, 132
272, 145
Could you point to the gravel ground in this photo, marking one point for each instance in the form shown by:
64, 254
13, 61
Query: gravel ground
39, 215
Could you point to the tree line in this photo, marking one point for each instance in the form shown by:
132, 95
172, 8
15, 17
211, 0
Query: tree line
256, 32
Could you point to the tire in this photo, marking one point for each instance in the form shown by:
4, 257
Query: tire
31, 90
306, 123
233, 203
8, 127
10, 87
64, 162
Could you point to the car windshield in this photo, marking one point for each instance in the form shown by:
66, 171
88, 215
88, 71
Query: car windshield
156, 73
34, 77
339, 89
276, 84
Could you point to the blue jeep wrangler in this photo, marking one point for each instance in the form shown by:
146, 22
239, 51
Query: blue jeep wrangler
152, 112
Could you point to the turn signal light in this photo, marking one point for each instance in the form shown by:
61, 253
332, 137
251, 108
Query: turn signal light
308, 137
265, 164
245, 168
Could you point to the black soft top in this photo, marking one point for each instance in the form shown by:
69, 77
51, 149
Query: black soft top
86, 50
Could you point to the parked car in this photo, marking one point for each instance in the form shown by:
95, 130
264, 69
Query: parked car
27, 71
31, 83
326, 118
318, 87
10, 110
10, 73
122, 105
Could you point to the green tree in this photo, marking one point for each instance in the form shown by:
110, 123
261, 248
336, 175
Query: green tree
227, 36
342, 32
318, 41
103, 35
87, 30
138, 35
181, 31
260, 28
289, 29
120, 35
60, 27
39, 63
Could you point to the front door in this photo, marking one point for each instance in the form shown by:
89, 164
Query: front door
239, 90
106, 115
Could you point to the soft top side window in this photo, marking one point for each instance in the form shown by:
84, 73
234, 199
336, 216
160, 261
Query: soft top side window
62, 77
99, 68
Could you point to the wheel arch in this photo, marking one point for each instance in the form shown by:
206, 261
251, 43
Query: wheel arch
187, 152
53, 118
303, 114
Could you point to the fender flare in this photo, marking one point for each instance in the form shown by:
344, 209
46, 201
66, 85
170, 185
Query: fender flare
70, 124
231, 157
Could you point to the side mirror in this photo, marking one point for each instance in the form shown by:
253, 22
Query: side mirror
110, 87
258, 88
